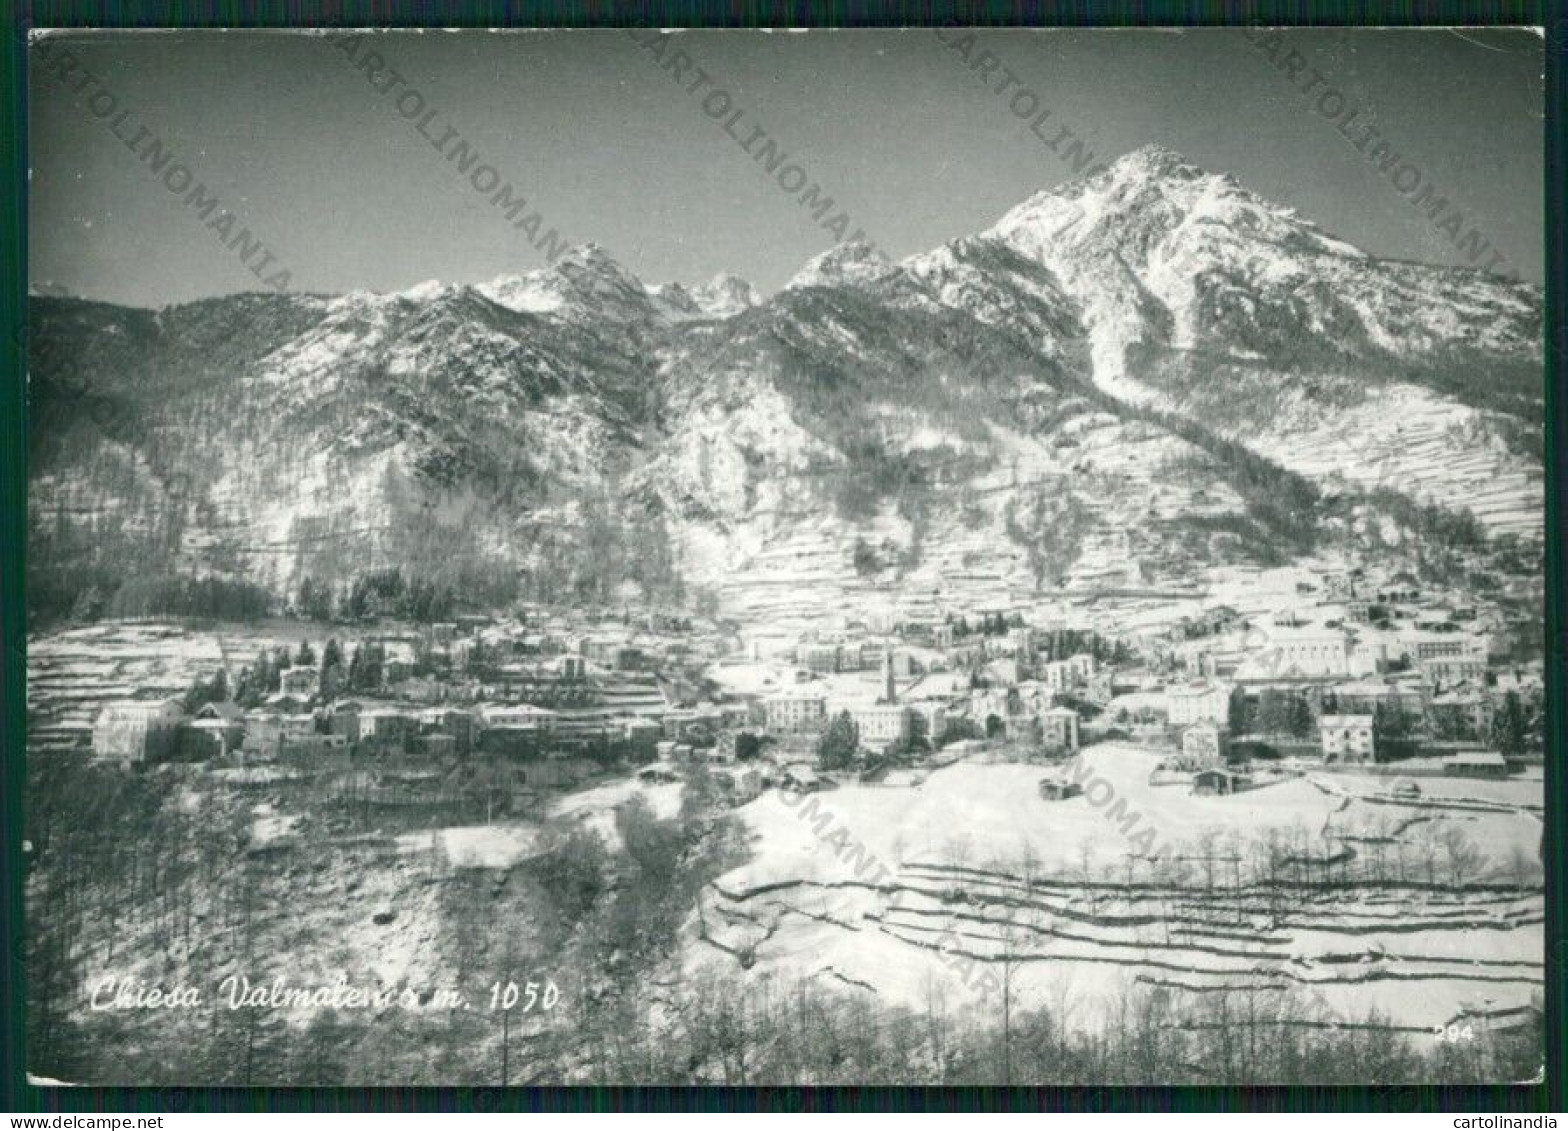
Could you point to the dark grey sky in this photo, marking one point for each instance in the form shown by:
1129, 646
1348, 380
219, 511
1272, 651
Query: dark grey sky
346, 194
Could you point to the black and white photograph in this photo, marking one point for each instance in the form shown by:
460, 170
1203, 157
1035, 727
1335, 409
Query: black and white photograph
923, 556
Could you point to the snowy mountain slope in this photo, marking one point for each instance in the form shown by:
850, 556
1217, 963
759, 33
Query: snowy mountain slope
390, 429
1162, 252
1203, 299
924, 433
588, 286
1129, 381
724, 295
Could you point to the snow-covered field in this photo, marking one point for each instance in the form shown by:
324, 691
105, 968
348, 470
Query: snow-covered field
476, 846
1403, 439
907, 892
595, 807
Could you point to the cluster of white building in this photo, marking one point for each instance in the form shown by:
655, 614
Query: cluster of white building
1024, 709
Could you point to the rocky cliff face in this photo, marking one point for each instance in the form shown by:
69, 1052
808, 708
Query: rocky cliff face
1128, 381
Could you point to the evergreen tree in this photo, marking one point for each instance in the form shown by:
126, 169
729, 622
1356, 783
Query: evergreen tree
263, 679
1238, 715
839, 742
315, 600
332, 674
1301, 722
1392, 734
204, 691
365, 669
245, 687
1270, 717
1511, 726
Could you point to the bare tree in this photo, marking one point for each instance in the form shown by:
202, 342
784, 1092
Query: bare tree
1459, 853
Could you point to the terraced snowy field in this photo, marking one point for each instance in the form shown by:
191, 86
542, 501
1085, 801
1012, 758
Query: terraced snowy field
790, 560
1426, 912
72, 674
1405, 440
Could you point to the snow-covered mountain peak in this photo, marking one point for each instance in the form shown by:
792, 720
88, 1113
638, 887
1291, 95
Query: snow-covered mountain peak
429, 291
592, 258
674, 301
725, 295
1155, 161
849, 263
45, 288
537, 292
1148, 197
722, 296
1163, 254
587, 281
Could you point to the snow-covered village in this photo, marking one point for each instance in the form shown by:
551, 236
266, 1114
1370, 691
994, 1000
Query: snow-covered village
1311, 799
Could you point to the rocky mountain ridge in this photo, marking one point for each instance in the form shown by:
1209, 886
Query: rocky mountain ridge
1129, 380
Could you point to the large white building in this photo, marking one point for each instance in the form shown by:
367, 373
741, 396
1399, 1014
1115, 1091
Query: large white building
881, 724
1447, 670
1298, 653
1058, 675
1347, 738
1423, 645
1203, 745
1060, 728
1189, 703
518, 715
792, 712
136, 730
